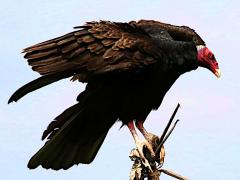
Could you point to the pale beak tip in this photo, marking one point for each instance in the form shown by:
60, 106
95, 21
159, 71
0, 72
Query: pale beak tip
218, 73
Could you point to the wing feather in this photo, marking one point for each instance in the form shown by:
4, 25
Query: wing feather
95, 47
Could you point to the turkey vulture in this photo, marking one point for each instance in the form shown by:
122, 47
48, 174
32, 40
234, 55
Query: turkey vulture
128, 68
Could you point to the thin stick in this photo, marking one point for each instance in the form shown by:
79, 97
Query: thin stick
170, 173
168, 134
166, 128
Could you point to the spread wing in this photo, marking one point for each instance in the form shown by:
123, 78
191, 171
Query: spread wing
96, 48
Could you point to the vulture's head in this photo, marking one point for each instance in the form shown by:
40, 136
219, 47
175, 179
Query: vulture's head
207, 60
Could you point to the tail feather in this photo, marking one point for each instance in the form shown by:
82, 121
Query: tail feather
52, 149
88, 155
77, 140
60, 120
67, 158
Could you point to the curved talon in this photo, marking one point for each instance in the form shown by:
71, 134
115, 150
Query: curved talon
150, 148
139, 146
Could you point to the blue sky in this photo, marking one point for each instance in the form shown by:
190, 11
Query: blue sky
205, 143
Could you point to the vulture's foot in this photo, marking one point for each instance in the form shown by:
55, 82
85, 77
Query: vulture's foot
143, 147
145, 151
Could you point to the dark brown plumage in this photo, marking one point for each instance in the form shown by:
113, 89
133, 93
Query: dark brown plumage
129, 67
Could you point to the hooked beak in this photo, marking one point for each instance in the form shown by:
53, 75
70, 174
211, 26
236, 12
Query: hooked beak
206, 59
217, 73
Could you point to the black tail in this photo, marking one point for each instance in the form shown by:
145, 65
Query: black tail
76, 135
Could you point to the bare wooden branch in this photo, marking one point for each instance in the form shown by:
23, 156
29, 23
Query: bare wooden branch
170, 173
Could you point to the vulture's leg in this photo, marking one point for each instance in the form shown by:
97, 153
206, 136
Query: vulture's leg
152, 139
140, 144
148, 136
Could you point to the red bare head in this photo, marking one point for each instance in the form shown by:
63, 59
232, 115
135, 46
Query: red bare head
206, 59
